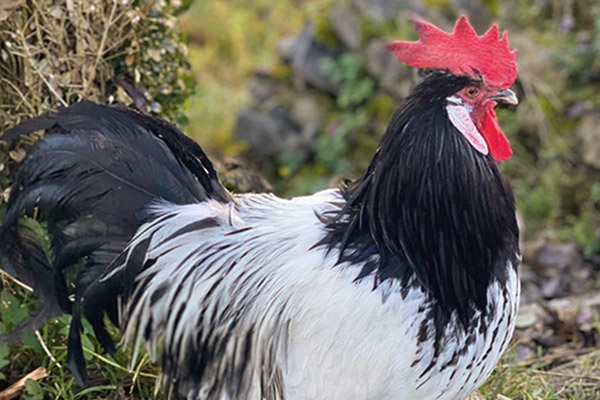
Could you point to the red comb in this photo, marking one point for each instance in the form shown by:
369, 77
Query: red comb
461, 52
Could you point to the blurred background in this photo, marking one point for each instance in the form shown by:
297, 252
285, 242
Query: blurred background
292, 97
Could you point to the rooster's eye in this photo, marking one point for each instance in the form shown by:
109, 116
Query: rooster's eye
472, 92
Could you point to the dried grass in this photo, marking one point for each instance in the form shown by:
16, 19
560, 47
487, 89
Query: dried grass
56, 52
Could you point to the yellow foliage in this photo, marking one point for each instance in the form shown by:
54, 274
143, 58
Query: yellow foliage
237, 37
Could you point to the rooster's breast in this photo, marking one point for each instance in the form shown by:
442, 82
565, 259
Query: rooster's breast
350, 341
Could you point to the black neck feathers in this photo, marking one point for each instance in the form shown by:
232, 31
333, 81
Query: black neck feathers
430, 210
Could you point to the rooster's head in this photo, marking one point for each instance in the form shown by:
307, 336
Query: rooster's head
487, 60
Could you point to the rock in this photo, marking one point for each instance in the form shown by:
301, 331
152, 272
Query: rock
346, 26
307, 57
310, 114
380, 11
478, 13
286, 47
240, 177
270, 133
530, 285
525, 320
588, 134
392, 76
560, 267
575, 109
262, 87
558, 255
281, 129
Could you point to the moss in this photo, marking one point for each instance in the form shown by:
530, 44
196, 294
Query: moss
324, 32
380, 106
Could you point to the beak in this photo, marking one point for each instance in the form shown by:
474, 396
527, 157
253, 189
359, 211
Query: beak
506, 97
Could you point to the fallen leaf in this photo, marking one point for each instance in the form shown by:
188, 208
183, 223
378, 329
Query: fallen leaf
7, 7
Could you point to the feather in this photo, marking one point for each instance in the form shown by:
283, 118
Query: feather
92, 179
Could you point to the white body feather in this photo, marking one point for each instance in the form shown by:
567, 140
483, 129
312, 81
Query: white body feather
315, 331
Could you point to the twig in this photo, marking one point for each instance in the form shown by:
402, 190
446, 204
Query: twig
552, 357
100, 52
37, 71
20, 93
46, 349
15, 280
566, 375
16, 388
48, 84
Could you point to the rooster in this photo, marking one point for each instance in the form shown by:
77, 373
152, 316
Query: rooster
401, 285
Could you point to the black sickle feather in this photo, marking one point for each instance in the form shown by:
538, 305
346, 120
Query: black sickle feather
92, 179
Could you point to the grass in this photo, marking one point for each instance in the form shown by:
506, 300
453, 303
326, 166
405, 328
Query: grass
47, 347
578, 379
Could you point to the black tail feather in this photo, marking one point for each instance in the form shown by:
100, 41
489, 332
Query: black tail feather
92, 179
75, 357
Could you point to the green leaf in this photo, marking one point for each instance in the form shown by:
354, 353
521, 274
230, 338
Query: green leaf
33, 390
87, 343
94, 389
3, 350
11, 309
63, 324
30, 340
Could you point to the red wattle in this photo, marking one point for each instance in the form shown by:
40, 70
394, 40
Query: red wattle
497, 142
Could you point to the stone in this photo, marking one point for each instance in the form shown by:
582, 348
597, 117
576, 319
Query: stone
307, 55
262, 87
269, 133
392, 76
479, 13
530, 285
241, 177
310, 114
346, 26
588, 134
286, 48
380, 11
576, 109
560, 268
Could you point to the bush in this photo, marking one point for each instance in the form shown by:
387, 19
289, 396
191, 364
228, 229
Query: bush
54, 53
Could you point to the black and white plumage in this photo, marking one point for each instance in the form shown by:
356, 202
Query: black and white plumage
402, 285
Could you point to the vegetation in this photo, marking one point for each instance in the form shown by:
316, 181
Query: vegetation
53, 53
48, 60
